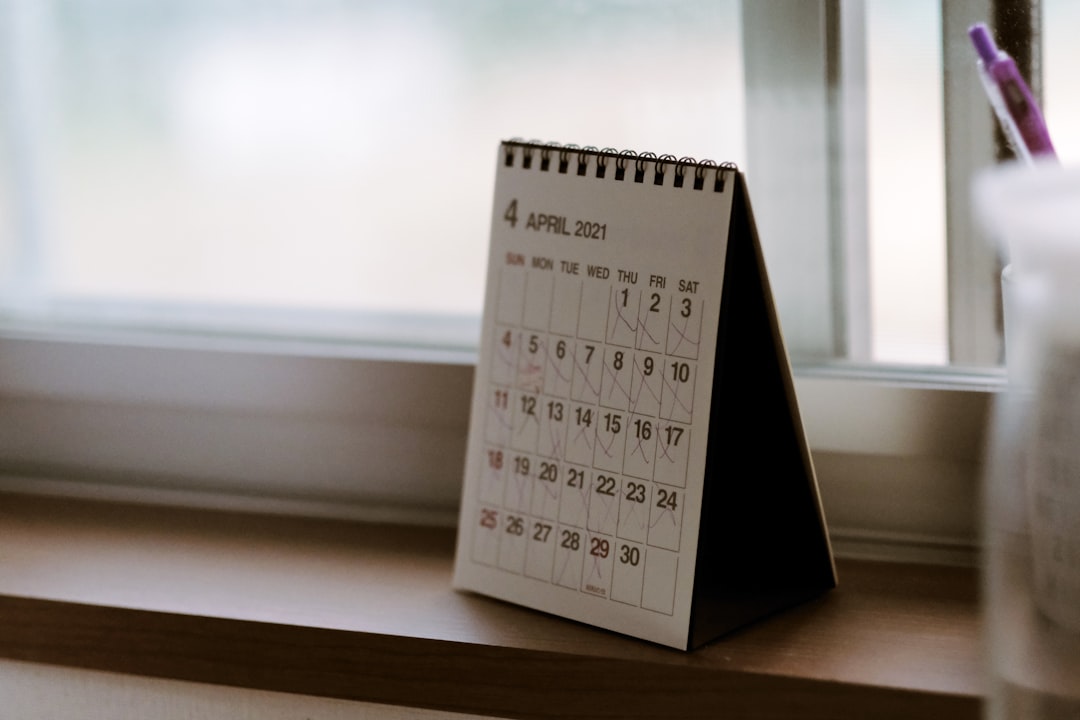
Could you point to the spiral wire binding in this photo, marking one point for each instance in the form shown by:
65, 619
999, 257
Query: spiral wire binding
623, 160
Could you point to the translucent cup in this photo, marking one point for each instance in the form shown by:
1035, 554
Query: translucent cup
1031, 507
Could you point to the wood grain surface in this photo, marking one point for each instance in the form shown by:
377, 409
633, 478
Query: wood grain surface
366, 612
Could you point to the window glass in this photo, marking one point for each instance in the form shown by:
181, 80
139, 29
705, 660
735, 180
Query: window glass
906, 176
1061, 65
322, 154
309, 156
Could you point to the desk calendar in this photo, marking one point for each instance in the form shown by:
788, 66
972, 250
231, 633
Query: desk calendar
635, 457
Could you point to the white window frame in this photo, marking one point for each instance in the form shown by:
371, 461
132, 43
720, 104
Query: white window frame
974, 325
338, 429
805, 131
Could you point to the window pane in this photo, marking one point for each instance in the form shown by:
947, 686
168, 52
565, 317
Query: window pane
906, 181
318, 153
1061, 63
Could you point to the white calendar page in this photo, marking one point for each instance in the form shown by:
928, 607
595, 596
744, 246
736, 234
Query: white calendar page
589, 425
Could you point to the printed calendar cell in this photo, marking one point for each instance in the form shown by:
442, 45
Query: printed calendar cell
628, 573
615, 378
564, 306
640, 447
623, 316
511, 304
593, 313
581, 434
499, 417
492, 476
574, 497
684, 329
677, 393
553, 423
545, 490
610, 440
519, 480
485, 547
559, 373
540, 555
646, 383
604, 504
588, 369
513, 543
634, 510
569, 557
672, 452
665, 520
538, 296
504, 355
652, 327
532, 356
596, 578
526, 428
658, 585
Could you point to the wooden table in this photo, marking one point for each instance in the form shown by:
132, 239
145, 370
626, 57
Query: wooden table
366, 612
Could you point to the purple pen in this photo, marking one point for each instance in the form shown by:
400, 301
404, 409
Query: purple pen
1011, 99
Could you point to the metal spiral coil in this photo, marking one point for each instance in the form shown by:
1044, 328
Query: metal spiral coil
576, 160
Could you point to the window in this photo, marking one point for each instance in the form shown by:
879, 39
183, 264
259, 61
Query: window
322, 156
1061, 58
906, 170
323, 168
279, 196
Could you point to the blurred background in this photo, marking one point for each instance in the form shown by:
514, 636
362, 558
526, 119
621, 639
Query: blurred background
326, 166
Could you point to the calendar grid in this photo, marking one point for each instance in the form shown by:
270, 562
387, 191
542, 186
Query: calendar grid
587, 435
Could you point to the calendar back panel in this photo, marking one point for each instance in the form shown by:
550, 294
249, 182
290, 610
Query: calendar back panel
763, 534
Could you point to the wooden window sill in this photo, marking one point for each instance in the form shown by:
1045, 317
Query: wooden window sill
365, 612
